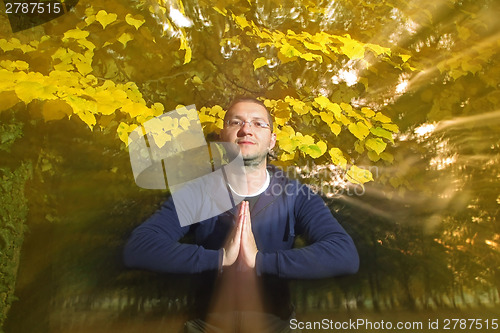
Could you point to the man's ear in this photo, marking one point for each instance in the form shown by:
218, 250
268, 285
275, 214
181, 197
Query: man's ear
273, 141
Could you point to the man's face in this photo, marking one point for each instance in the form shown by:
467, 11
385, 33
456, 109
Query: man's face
254, 142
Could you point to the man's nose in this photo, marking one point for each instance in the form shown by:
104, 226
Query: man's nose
246, 128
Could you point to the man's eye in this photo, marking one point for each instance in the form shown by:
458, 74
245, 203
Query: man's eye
234, 122
260, 124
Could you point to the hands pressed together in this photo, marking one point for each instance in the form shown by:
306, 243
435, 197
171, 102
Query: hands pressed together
240, 247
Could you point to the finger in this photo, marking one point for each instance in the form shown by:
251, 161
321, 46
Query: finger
241, 224
248, 221
242, 208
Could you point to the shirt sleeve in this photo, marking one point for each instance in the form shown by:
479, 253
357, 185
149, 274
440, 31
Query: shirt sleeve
331, 251
155, 246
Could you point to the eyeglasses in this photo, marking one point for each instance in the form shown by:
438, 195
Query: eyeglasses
238, 123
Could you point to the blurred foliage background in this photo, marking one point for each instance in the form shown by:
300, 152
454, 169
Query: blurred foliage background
390, 108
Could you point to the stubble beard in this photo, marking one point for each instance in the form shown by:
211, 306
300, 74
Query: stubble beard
255, 161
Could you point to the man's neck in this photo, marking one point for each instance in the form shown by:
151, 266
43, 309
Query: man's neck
256, 177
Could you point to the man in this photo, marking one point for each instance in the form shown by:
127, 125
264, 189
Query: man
252, 245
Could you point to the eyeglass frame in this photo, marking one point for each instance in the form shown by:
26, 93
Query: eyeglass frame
249, 122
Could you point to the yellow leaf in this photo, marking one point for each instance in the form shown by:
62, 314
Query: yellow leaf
322, 101
387, 157
88, 44
188, 55
105, 19
359, 176
222, 11
378, 49
13, 65
219, 123
6, 45
241, 21
83, 67
311, 57
287, 157
259, 62
322, 146
304, 140
335, 128
7, 100
161, 138
312, 150
359, 147
289, 51
88, 118
157, 109
346, 107
352, 49
287, 144
359, 130
367, 112
326, 117
138, 109
405, 57
204, 118
382, 118
28, 91
391, 127
196, 80
106, 102
76, 34
184, 122
469, 66
135, 22
21, 65
312, 46
283, 78
301, 108
338, 158
56, 110
285, 132
90, 19
123, 133
373, 156
125, 38
463, 32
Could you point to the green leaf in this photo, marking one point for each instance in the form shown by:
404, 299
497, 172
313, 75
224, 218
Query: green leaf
376, 144
378, 131
387, 157
373, 156
359, 147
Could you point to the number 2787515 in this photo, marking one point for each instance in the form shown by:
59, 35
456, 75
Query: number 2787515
33, 7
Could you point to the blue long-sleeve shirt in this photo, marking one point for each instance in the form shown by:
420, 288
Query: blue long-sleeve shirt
286, 209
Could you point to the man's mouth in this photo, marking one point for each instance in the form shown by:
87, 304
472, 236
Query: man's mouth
245, 142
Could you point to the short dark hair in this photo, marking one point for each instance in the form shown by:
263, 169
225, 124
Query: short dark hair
246, 99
